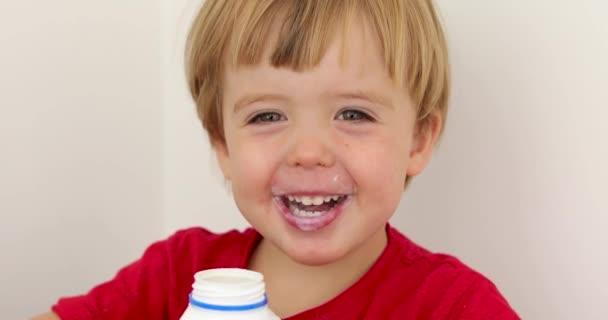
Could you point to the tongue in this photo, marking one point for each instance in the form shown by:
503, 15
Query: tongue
312, 208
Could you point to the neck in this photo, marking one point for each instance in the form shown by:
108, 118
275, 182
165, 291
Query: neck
315, 284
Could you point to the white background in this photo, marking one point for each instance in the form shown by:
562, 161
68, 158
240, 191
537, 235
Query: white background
101, 152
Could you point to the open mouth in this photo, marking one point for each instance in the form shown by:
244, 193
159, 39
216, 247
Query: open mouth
309, 213
310, 207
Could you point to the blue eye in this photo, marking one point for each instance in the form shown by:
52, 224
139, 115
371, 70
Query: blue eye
267, 117
354, 115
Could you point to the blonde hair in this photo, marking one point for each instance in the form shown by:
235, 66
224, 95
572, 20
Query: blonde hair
237, 31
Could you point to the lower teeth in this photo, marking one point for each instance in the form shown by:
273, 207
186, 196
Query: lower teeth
306, 214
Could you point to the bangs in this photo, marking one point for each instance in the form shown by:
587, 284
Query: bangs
297, 33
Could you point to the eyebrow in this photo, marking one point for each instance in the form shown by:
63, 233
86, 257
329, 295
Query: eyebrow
250, 98
363, 95
370, 96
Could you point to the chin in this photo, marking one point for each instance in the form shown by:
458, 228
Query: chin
314, 257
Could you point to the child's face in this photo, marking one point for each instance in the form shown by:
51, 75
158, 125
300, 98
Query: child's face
318, 159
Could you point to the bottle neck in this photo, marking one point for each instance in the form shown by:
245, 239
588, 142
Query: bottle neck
227, 305
228, 290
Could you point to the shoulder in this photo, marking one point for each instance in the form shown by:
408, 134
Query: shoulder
412, 257
158, 283
208, 246
445, 287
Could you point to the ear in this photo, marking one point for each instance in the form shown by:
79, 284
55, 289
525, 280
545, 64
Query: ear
223, 158
426, 135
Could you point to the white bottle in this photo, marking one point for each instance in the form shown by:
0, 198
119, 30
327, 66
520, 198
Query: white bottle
228, 294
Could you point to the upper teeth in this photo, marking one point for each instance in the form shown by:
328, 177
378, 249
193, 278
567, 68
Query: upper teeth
316, 200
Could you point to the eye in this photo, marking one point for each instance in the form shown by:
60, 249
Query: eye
266, 117
354, 115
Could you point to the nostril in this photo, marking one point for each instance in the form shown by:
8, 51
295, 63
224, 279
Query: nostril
325, 161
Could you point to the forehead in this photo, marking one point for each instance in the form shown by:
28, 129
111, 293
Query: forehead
353, 53
354, 43
298, 34
306, 46
351, 62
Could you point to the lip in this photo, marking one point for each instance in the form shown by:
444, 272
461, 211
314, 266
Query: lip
310, 224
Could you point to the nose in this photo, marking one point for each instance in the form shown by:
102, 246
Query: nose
310, 150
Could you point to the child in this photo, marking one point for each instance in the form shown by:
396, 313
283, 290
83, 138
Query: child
320, 113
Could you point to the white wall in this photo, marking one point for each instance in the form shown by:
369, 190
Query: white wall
80, 145
517, 190
193, 190
521, 176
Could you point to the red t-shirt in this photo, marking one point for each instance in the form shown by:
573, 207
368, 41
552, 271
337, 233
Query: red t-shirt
407, 282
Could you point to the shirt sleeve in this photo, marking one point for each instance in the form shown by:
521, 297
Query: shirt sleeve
138, 291
482, 301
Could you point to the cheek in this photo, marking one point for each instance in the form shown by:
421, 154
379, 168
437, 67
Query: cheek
379, 169
252, 172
